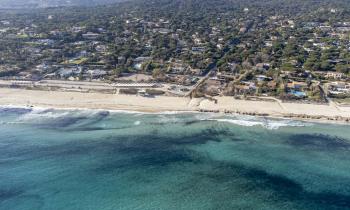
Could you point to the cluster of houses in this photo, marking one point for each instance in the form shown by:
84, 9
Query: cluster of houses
88, 54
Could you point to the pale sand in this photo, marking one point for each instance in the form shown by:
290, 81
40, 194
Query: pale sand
56, 99
275, 108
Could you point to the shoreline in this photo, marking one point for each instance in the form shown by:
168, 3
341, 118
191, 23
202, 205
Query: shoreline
270, 117
159, 104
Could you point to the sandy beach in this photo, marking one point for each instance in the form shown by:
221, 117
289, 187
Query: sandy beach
56, 99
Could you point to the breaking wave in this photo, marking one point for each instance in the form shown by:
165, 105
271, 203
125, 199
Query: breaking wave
45, 115
60, 117
42, 114
266, 123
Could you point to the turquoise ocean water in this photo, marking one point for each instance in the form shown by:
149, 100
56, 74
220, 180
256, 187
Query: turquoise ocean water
99, 160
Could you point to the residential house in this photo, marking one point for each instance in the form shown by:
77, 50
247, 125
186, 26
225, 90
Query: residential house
245, 88
198, 49
90, 35
298, 86
339, 88
334, 75
69, 71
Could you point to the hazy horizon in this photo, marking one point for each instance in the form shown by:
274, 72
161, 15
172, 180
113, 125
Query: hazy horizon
15, 4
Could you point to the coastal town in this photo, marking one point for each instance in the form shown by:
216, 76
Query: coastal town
174, 104
240, 51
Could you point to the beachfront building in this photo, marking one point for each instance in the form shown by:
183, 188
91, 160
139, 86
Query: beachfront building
69, 71
331, 74
297, 89
96, 73
334, 75
337, 89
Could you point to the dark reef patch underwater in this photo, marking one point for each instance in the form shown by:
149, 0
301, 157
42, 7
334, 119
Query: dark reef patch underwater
61, 159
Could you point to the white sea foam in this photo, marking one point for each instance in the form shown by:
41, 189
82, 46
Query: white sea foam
272, 124
124, 111
266, 123
42, 114
169, 119
207, 116
14, 107
238, 122
175, 112
9, 122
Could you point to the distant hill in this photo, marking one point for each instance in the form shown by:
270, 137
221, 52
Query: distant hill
24, 4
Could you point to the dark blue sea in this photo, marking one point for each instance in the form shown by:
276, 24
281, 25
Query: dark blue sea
100, 160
